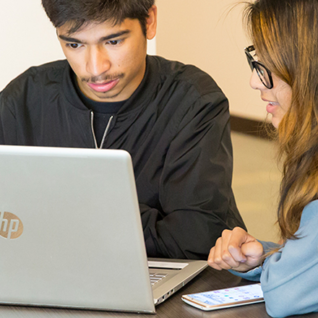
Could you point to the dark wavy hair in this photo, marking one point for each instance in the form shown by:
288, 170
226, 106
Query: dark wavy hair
81, 12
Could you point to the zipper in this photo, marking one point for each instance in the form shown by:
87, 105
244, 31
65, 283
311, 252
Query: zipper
92, 127
105, 132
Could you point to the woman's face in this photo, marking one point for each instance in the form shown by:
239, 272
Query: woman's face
278, 98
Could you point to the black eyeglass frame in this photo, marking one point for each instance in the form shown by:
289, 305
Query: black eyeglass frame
255, 64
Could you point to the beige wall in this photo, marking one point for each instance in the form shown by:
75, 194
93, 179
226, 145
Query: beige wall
206, 34
27, 38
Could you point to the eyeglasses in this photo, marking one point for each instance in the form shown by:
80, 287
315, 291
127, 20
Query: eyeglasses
263, 73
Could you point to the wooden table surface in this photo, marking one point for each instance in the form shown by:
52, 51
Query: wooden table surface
174, 307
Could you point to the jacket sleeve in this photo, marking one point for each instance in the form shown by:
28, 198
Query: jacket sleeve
1, 125
8, 133
195, 186
289, 277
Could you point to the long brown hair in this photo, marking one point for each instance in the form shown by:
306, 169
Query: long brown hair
285, 36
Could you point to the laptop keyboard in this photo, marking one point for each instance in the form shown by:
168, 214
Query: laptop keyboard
156, 277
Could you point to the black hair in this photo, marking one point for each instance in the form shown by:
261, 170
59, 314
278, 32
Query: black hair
81, 12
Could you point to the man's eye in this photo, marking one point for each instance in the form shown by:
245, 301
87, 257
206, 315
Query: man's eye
73, 45
114, 42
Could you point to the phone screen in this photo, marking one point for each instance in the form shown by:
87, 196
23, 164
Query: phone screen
224, 298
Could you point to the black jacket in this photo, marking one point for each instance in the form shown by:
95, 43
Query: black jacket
176, 128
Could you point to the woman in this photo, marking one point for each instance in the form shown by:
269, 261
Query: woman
285, 71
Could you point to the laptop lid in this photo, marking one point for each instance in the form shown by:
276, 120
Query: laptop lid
68, 237
71, 235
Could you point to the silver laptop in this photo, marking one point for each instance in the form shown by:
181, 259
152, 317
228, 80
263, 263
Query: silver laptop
71, 233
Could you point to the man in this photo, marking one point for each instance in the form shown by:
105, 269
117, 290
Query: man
172, 119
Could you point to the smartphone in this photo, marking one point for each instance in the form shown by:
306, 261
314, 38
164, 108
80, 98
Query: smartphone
225, 298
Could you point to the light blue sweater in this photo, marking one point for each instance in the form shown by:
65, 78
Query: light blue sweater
289, 278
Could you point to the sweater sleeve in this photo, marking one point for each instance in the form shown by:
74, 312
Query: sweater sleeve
288, 277
195, 186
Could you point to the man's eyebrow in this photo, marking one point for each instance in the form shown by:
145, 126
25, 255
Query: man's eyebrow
69, 39
114, 35
103, 39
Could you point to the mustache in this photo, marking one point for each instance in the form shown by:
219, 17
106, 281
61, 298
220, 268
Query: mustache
102, 78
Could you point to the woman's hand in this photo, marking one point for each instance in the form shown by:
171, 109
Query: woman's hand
236, 250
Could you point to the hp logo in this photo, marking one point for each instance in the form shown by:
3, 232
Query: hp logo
11, 226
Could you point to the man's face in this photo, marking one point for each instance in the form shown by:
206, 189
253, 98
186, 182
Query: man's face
108, 60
